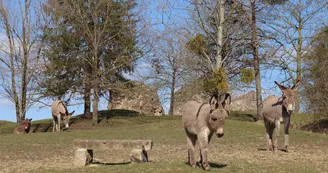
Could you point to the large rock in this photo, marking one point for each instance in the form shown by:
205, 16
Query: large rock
136, 97
245, 102
190, 92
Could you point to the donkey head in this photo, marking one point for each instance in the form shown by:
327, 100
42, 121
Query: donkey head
218, 112
288, 95
26, 124
66, 117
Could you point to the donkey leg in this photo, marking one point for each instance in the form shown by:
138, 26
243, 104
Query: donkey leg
53, 124
203, 144
277, 124
191, 141
286, 132
59, 123
269, 132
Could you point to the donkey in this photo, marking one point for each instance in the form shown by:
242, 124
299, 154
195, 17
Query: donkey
200, 122
59, 113
23, 127
276, 110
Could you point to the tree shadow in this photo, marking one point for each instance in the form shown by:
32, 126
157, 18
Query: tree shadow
110, 164
47, 128
36, 128
242, 116
107, 114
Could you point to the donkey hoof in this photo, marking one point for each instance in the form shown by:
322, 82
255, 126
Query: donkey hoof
207, 168
193, 166
286, 149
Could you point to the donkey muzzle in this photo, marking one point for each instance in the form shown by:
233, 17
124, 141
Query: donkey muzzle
219, 132
290, 108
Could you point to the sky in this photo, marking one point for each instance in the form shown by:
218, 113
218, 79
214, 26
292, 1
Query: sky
8, 109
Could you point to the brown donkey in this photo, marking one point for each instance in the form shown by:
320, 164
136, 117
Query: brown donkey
277, 109
24, 127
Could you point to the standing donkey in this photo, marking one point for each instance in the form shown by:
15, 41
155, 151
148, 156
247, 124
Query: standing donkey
59, 113
277, 109
201, 121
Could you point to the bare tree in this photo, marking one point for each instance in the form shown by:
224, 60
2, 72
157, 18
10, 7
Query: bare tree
167, 72
20, 51
291, 26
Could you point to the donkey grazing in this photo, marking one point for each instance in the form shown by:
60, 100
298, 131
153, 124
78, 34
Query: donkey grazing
200, 122
59, 113
23, 127
277, 109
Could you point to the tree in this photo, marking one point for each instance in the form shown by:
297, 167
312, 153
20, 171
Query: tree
255, 48
21, 52
292, 25
107, 34
315, 75
167, 66
222, 32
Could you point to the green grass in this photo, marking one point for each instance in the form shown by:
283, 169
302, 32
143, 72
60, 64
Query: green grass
242, 149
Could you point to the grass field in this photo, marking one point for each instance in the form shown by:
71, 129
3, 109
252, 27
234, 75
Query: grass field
242, 149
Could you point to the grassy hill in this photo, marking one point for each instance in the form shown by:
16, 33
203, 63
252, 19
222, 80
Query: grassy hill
242, 149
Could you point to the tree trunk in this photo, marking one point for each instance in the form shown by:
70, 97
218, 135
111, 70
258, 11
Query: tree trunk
298, 65
219, 36
86, 97
95, 82
87, 102
171, 111
95, 106
256, 63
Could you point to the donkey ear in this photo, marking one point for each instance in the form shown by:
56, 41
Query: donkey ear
296, 84
71, 113
281, 87
214, 102
225, 99
62, 114
30, 119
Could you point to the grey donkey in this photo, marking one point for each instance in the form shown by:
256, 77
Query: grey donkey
276, 110
59, 113
200, 122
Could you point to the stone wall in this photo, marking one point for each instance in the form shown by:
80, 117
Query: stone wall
136, 97
245, 102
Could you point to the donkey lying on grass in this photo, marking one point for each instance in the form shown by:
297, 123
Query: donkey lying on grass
23, 127
59, 113
277, 109
200, 122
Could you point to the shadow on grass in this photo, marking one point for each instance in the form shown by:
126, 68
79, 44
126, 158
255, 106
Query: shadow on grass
47, 128
110, 164
319, 126
242, 116
212, 165
107, 114
217, 165
262, 149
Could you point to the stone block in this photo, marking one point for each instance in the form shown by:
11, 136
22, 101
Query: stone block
83, 157
138, 155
